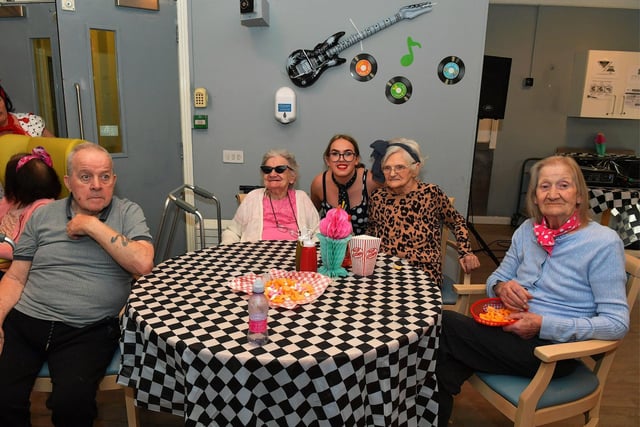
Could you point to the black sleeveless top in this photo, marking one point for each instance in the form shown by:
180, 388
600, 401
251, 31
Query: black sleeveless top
358, 213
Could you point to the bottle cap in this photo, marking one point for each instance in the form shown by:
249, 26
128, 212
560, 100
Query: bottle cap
308, 243
258, 285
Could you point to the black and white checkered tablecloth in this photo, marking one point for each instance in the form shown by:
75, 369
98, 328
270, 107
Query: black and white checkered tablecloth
362, 354
624, 204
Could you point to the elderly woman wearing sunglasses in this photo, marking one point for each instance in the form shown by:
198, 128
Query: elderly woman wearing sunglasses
276, 212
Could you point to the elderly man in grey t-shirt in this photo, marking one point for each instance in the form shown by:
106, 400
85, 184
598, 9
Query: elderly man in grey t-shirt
59, 301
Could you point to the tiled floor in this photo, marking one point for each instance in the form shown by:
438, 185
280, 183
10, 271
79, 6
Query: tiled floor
620, 404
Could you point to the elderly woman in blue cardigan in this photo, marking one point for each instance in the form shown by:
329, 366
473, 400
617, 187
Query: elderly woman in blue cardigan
563, 278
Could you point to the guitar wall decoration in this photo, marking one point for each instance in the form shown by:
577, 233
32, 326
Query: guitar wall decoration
305, 66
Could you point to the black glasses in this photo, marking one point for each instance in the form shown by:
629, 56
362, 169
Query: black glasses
279, 169
347, 155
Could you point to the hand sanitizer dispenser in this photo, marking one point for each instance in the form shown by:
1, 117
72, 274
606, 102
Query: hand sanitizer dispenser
285, 105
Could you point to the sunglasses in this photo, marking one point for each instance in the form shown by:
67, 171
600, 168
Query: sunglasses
279, 169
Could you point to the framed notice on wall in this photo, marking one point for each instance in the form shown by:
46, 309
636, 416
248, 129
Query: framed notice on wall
139, 4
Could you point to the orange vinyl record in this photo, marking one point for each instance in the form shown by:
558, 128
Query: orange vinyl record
363, 67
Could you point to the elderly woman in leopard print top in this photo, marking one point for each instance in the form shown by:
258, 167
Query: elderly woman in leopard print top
408, 214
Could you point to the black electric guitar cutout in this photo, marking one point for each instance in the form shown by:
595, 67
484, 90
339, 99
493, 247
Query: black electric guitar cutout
305, 66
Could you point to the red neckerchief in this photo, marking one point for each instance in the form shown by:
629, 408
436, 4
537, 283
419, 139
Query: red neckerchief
12, 126
547, 236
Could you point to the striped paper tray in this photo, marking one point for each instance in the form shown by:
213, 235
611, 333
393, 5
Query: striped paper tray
287, 289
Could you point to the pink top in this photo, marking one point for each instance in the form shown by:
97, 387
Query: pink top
13, 220
280, 222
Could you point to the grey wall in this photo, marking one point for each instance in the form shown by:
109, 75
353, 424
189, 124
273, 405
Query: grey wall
536, 119
243, 67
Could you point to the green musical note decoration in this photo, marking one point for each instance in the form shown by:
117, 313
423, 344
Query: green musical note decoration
407, 59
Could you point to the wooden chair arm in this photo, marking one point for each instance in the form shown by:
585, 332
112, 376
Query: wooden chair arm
468, 289
464, 292
550, 355
573, 350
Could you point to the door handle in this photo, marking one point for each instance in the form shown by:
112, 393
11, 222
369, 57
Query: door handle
79, 103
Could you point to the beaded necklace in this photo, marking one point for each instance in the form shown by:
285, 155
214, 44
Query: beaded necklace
275, 217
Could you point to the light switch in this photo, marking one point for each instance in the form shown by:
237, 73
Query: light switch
232, 156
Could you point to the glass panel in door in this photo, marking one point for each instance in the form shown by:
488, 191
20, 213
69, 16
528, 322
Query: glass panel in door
105, 87
43, 60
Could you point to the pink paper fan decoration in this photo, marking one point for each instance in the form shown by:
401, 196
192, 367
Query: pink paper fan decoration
336, 224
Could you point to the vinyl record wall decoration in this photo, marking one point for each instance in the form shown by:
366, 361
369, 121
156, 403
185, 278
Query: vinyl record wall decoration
363, 67
451, 70
398, 90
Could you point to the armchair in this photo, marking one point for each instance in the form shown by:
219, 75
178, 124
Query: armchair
456, 296
58, 148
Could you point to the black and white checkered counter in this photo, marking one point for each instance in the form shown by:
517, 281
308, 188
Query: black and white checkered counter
625, 207
362, 354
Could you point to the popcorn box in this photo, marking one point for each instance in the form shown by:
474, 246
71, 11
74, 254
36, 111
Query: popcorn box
364, 253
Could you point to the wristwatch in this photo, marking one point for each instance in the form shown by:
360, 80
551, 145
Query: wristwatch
494, 286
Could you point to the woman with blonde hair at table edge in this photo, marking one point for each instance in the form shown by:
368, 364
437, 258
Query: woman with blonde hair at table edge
276, 212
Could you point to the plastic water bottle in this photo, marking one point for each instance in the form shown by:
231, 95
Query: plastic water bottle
258, 314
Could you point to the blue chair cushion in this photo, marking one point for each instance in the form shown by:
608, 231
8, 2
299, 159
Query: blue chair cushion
561, 390
112, 369
449, 295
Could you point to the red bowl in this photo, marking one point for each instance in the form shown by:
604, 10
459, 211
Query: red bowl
482, 305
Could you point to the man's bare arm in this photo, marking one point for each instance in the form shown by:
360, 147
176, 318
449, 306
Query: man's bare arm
135, 256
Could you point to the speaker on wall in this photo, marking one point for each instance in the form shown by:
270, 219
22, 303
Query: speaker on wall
494, 87
246, 6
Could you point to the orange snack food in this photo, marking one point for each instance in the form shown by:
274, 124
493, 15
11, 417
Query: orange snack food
496, 314
283, 289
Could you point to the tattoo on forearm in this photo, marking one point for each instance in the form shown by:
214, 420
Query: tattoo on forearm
125, 241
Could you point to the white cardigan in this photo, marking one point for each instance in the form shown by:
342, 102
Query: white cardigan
246, 225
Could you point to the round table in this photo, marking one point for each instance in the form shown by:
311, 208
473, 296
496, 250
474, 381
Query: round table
362, 354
